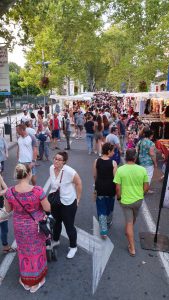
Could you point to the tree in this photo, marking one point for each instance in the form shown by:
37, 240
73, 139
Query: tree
72, 35
13, 67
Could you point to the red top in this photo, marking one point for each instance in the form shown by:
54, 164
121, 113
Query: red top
56, 124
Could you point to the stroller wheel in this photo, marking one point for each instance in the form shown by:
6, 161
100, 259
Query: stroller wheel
49, 255
54, 254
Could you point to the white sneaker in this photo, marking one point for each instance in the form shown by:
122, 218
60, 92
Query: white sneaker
72, 252
55, 243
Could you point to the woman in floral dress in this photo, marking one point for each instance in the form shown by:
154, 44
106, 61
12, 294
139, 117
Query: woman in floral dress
31, 244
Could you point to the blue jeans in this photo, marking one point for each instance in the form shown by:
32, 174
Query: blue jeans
44, 149
4, 233
89, 139
105, 206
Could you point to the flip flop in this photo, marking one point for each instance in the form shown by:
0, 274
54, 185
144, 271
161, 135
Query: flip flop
9, 250
40, 284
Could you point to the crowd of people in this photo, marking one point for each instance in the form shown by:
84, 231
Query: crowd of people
112, 134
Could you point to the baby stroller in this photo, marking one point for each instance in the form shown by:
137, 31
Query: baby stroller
51, 251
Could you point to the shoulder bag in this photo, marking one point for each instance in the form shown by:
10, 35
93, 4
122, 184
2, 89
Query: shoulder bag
42, 224
54, 198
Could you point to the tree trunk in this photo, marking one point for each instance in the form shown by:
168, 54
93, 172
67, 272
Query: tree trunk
90, 79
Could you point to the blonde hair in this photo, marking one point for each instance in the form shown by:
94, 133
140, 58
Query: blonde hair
22, 171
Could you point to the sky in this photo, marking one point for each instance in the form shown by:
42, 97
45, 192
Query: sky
17, 56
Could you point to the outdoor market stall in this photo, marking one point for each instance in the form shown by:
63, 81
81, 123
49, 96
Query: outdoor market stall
163, 146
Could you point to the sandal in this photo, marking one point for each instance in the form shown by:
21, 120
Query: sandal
27, 288
9, 250
130, 252
39, 285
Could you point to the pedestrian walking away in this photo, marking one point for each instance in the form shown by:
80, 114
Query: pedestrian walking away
104, 172
131, 184
25, 199
89, 127
66, 126
147, 154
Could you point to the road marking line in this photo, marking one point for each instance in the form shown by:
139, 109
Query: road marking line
100, 250
7, 261
164, 257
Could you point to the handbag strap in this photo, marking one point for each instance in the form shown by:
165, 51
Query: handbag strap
60, 179
22, 206
61, 176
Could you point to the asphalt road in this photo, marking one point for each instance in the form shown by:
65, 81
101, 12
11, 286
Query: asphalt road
124, 277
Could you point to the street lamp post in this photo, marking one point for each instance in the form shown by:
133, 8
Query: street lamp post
44, 65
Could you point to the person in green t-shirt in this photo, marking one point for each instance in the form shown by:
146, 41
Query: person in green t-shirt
131, 184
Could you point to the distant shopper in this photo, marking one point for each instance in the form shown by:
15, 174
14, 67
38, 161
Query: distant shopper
66, 126
41, 112
27, 149
113, 139
79, 123
98, 134
131, 184
122, 131
25, 117
44, 138
54, 127
147, 154
89, 127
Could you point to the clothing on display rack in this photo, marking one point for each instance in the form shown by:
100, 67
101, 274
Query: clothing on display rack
157, 128
140, 105
148, 107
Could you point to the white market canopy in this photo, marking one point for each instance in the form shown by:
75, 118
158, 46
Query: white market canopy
80, 97
159, 95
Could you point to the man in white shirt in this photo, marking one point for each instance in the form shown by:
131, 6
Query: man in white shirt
113, 139
25, 117
27, 149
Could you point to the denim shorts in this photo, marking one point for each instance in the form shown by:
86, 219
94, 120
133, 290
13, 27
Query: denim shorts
55, 133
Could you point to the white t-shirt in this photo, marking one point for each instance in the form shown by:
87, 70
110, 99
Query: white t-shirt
25, 118
25, 149
30, 131
112, 139
67, 188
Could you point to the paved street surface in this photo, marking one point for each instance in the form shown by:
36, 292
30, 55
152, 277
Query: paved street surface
100, 270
